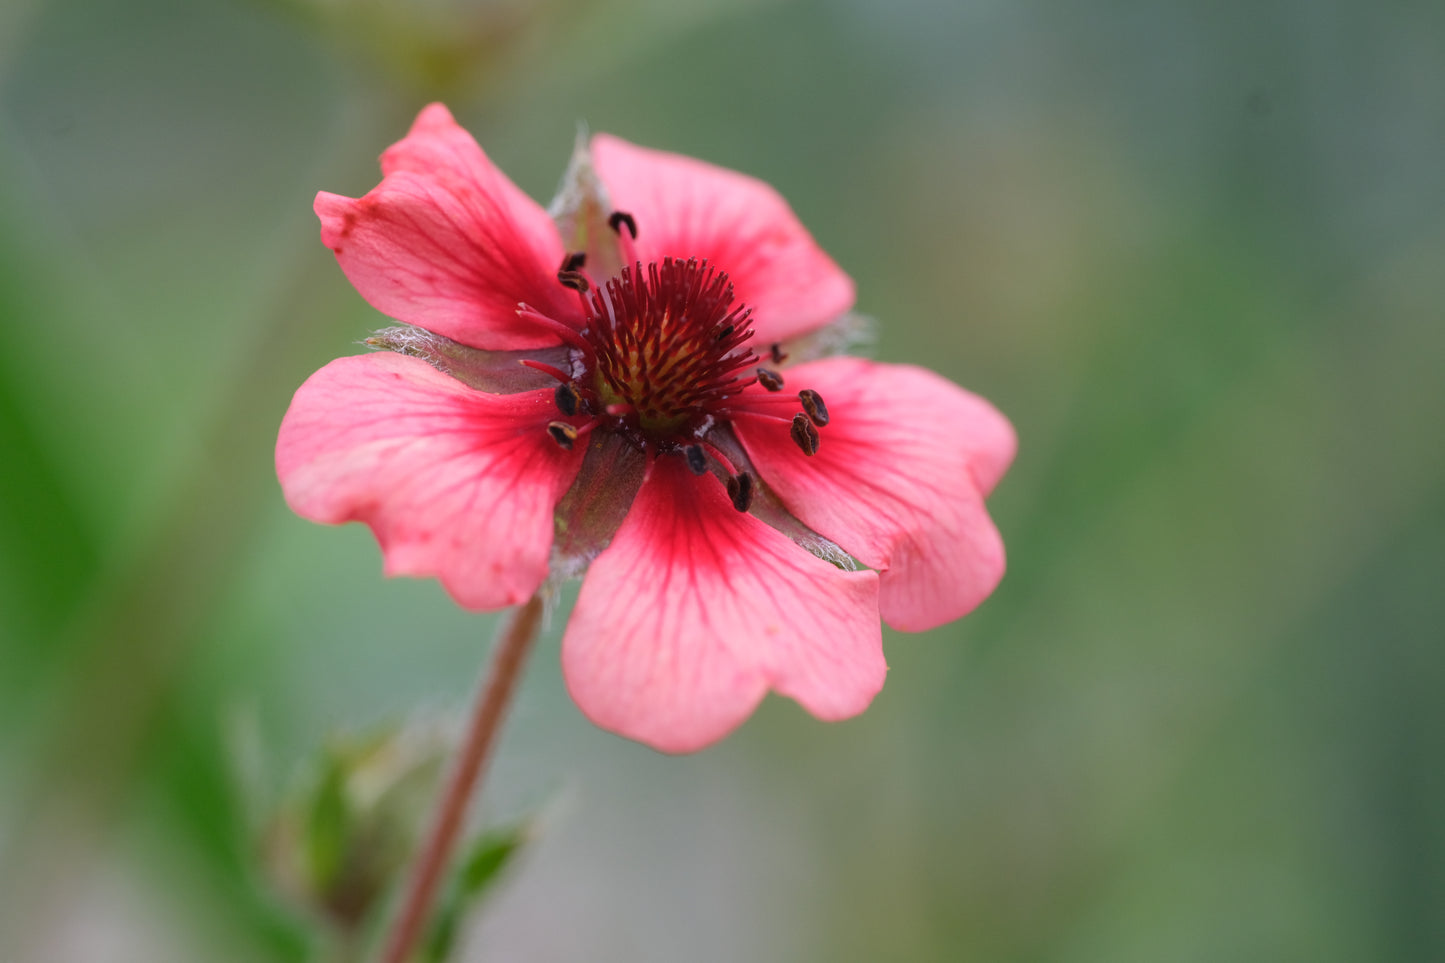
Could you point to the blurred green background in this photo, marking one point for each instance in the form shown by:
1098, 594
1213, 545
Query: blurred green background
1195, 250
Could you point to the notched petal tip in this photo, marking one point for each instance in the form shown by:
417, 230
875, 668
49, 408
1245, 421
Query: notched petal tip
338, 215
435, 142
903, 494
448, 243
695, 610
455, 483
687, 207
433, 115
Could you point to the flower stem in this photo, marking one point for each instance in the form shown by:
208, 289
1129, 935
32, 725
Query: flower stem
497, 686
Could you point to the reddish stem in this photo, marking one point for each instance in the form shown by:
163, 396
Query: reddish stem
498, 684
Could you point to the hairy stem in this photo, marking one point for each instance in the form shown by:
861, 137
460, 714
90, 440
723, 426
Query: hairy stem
497, 686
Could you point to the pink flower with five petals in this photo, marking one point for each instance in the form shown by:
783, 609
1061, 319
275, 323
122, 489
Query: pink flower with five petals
635, 385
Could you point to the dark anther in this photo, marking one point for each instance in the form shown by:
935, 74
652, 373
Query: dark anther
575, 280
574, 261
775, 351
567, 399
805, 436
813, 405
770, 379
619, 218
696, 459
725, 332
740, 490
563, 434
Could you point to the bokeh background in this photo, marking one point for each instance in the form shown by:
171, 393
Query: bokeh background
1195, 250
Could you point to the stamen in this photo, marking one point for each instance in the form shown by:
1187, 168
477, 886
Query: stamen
718, 455
563, 434
748, 408
575, 280
813, 405
567, 398
725, 332
546, 369
775, 351
740, 490
567, 333
805, 436
573, 261
619, 218
770, 380
696, 459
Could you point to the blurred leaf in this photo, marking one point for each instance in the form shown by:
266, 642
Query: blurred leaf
50, 555
480, 869
53, 555
202, 812
327, 826
489, 854
442, 50
345, 833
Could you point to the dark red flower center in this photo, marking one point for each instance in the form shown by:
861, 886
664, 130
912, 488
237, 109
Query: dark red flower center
662, 358
669, 346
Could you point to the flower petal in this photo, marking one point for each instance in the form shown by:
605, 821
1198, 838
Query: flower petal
687, 208
898, 480
695, 610
446, 242
454, 482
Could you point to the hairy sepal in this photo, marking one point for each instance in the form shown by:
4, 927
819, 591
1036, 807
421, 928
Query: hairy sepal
499, 372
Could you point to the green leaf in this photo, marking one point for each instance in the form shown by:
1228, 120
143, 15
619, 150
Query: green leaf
481, 867
327, 821
489, 854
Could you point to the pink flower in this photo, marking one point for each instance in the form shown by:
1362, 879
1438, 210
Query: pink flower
634, 385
